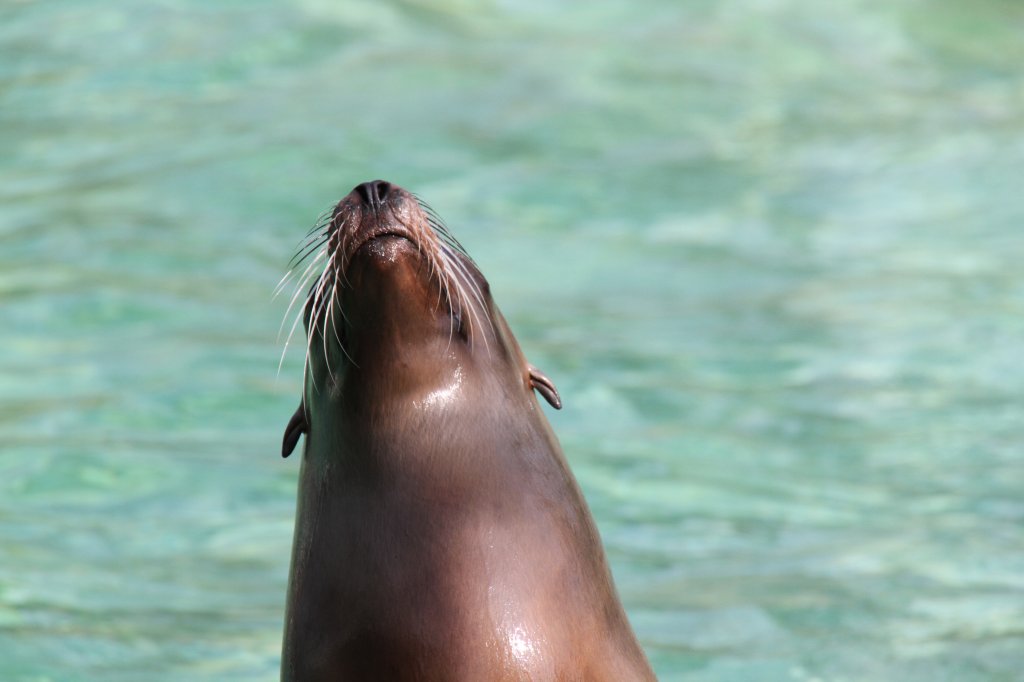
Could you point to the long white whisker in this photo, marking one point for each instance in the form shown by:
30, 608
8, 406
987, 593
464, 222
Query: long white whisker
454, 285
307, 248
465, 280
438, 268
281, 284
296, 262
345, 256
336, 305
322, 220
318, 307
298, 316
305, 378
317, 235
444, 285
284, 350
329, 305
298, 289
448, 264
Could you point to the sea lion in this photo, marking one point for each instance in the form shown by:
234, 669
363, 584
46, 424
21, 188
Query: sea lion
439, 533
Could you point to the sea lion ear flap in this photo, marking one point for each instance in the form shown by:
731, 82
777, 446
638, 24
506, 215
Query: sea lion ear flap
296, 427
540, 381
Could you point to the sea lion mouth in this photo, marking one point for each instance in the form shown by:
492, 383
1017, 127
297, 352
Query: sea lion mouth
376, 238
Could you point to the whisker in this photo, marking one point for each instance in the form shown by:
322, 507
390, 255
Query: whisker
287, 341
444, 282
447, 237
336, 305
322, 255
459, 274
435, 264
319, 302
325, 218
313, 242
314, 318
294, 264
306, 249
299, 287
329, 303
281, 284
291, 332
464, 279
342, 248
319, 230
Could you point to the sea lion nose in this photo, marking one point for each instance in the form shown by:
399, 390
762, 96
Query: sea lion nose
373, 193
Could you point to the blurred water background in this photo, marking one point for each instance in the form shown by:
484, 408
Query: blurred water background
769, 250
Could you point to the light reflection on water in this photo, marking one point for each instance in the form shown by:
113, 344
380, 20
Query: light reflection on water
768, 252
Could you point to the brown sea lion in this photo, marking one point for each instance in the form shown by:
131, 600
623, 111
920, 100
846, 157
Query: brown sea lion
439, 532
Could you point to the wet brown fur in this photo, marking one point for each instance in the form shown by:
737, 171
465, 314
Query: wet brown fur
439, 533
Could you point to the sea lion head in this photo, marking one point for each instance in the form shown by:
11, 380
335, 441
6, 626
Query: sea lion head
398, 314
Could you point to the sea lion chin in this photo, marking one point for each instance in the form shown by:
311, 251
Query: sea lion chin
439, 533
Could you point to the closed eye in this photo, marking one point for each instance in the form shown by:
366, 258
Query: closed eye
459, 327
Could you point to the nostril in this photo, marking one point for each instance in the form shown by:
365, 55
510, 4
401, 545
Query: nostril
373, 193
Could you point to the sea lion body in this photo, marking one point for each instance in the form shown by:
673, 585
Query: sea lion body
439, 532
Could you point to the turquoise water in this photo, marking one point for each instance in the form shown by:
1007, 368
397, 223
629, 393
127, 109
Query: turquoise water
770, 252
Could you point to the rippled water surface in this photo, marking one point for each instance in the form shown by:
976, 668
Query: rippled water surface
770, 252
